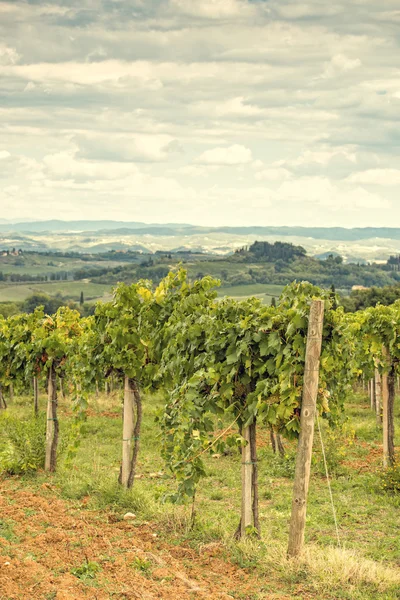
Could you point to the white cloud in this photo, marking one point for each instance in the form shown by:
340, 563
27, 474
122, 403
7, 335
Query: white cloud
143, 107
323, 157
386, 177
213, 9
321, 191
231, 155
273, 174
8, 56
340, 64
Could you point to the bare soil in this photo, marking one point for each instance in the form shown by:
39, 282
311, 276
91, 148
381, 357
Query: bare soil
50, 538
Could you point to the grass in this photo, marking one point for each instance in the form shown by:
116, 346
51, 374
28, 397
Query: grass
71, 289
264, 291
365, 567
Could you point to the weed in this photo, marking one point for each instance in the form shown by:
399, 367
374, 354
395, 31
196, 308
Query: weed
390, 479
142, 564
22, 448
88, 570
7, 531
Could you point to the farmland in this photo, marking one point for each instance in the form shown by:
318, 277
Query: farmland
49, 523
215, 438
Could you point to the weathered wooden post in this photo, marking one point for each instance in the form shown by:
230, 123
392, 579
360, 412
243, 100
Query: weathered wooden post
127, 434
247, 481
52, 428
36, 395
373, 395
388, 394
378, 397
307, 419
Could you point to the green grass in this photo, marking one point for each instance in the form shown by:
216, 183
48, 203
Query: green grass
72, 289
264, 291
369, 519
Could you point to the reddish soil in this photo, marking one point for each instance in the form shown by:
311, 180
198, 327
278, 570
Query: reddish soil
50, 538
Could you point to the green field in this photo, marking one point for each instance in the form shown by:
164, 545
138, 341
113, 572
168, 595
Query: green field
264, 291
70, 289
365, 567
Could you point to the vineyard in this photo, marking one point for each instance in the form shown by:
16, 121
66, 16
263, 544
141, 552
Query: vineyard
169, 400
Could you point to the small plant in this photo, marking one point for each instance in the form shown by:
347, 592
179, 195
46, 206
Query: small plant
336, 443
23, 448
141, 564
7, 530
216, 496
87, 570
282, 466
390, 479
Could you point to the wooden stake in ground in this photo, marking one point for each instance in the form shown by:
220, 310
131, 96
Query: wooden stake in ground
52, 428
36, 395
247, 479
3, 403
388, 394
373, 394
378, 397
127, 433
307, 418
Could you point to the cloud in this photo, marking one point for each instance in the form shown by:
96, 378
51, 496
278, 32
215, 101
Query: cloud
340, 64
386, 177
124, 148
213, 9
229, 156
273, 174
321, 191
144, 105
8, 56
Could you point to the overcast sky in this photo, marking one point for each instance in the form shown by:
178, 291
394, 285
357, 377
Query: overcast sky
235, 112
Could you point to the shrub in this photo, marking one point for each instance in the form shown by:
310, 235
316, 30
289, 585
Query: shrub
390, 479
22, 449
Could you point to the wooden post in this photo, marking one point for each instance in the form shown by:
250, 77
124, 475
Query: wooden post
127, 431
60, 382
378, 397
52, 421
373, 394
254, 482
36, 395
390, 413
388, 394
247, 480
307, 418
3, 403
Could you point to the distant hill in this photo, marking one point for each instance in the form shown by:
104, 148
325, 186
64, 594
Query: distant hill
166, 229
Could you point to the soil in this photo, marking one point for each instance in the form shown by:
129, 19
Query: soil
48, 538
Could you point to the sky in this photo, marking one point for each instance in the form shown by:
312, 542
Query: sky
212, 112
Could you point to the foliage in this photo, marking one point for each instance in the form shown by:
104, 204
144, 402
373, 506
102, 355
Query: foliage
22, 448
361, 299
88, 570
236, 362
390, 479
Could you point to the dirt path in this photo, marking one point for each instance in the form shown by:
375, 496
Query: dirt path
43, 539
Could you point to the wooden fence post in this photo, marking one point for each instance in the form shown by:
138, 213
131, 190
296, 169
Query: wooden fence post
3, 403
373, 394
247, 481
388, 394
36, 395
127, 432
378, 397
307, 419
52, 427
